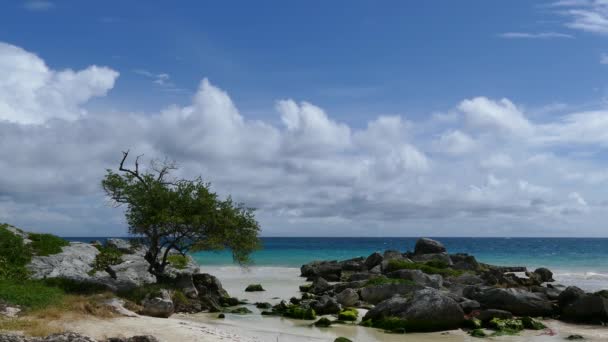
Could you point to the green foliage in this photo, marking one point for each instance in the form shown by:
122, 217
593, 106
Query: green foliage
106, 257
322, 323
72, 286
390, 324
30, 294
254, 288
297, 312
477, 333
427, 268
348, 314
185, 215
532, 324
178, 261
179, 298
14, 255
506, 326
382, 281
46, 244
473, 323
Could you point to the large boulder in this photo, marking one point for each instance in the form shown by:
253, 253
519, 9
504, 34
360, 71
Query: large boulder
326, 305
570, 295
330, 270
74, 262
418, 277
348, 297
544, 274
426, 310
158, 306
373, 259
132, 272
588, 308
376, 293
355, 264
463, 261
517, 301
320, 286
120, 244
210, 292
428, 246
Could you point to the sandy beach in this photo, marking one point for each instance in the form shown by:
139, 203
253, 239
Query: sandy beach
282, 283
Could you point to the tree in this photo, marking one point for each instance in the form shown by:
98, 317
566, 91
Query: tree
179, 215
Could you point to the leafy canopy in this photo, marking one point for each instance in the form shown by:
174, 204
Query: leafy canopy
180, 215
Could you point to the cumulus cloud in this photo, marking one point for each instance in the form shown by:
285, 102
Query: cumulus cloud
31, 93
310, 174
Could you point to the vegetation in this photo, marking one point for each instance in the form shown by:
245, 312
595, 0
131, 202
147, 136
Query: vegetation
14, 255
390, 324
477, 333
322, 323
179, 214
532, 324
241, 311
428, 268
46, 244
30, 293
348, 314
298, 312
178, 261
108, 256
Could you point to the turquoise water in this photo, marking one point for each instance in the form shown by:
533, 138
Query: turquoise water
580, 261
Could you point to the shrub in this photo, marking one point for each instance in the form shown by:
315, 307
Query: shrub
426, 268
108, 256
348, 314
31, 294
14, 255
178, 261
46, 244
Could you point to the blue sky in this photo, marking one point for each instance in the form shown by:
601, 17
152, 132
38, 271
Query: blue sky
471, 118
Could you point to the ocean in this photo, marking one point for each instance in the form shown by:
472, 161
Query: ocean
580, 261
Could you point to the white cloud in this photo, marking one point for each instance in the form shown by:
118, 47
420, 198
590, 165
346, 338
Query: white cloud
534, 35
590, 16
455, 143
31, 93
502, 116
309, 173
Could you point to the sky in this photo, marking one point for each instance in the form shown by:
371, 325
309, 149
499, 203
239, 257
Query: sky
331, 118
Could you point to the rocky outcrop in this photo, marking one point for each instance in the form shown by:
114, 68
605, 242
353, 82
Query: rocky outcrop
377, 293
348, 297
158, 306
428, 246
74, 262
426, 310
418, 277
517, 301
589, 308
329, 270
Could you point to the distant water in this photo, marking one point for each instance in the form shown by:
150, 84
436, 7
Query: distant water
582, 261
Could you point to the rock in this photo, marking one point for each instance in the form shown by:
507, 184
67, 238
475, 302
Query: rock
589, 309
185, 284
320, 285
372, 260
330, 270
348, 297
355, 264
488, 315
141, 338
378, 293
131, 273
517, 301
210, 291
550, 292
326, 305
117, 305
342, 339
9, 311
254, 288
469, 305
467, 279
323, 322
120, 244
428, 246
74, 262
20, 233
574, 337
361, 276
339, 287
441, 257
570, 295
463, 261
263, 305
419, 277
426, 310
161, 306
544, 274
386, 265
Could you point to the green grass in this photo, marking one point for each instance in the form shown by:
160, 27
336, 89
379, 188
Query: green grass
178, 261
46, 244
30, 294
14, 255
107, 257
427, 268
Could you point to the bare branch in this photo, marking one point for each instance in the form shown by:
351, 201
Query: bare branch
129, 171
